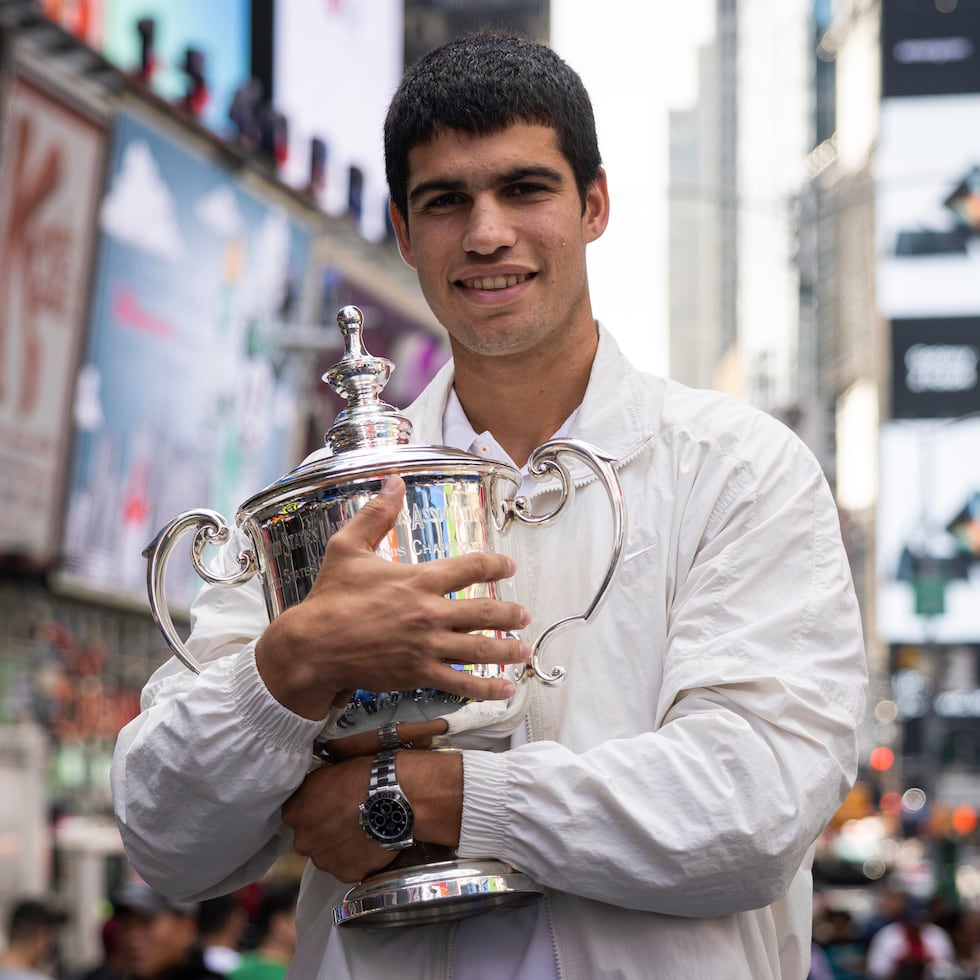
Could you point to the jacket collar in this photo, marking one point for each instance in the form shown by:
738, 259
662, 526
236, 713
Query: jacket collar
620, 411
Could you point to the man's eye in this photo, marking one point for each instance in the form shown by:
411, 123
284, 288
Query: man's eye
442, 201
524, 189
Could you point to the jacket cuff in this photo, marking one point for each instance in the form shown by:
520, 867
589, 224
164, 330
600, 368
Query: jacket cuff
486, 785
262, 713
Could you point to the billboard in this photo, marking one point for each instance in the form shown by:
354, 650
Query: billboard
219, 29
928, 207
929, 48
51, 167
935, 368
184, 399
928, 533
928, 160
335, 67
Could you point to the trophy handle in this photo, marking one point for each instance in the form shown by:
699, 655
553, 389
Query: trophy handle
211, 529
544, 462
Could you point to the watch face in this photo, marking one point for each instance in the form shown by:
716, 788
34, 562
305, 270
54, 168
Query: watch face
387, 817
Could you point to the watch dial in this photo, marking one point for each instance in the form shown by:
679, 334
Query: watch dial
388, 817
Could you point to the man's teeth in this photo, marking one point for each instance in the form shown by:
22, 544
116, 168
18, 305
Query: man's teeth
494, 282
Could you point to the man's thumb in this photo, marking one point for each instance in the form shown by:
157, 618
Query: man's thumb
377, 517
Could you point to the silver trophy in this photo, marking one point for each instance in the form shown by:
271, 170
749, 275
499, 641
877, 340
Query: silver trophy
455, 503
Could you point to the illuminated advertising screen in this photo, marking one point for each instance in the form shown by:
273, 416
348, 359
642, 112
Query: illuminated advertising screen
51, 169
928, 160
929, 48
928, 207
149, 39
935, 368
184, 399
335, 67
928, 534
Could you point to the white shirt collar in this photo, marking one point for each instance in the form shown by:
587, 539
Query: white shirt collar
458, 433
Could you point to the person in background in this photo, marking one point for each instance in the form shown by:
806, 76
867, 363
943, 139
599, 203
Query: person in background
32, 932
275, 935
910, 948
838, 938
221, 924
963, 926
112, 966
158, 937
668, 796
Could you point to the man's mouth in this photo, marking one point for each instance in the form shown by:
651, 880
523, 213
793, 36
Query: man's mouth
493, 282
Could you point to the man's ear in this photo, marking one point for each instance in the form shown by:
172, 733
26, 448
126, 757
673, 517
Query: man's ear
596, 215
400, 225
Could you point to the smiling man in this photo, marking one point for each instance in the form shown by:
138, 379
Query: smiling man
668, 795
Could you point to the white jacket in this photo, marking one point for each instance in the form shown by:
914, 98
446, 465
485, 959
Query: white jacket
671, 789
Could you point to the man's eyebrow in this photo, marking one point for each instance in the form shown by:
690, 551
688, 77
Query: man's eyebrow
515, 176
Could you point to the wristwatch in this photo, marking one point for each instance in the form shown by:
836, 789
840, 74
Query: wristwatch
386, 816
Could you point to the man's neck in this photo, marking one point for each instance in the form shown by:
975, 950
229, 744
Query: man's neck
523, 400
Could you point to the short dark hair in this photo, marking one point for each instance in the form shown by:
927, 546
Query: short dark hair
29, 917
479, 84
213, 914
277, 898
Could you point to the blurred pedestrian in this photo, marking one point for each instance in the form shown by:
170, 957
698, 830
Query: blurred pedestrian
276, 936
32, 932
963, 927
158, 938
891, 905
911, 948
112, 966
819, 966
221, 924
838, 938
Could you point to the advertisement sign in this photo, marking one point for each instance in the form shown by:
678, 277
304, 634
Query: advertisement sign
928, 160
935, 368
148, 40
928, 533
928, 207
51, 161
184, 399
930, 48
335, 67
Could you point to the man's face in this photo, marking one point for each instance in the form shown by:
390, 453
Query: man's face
151, 945
497, 233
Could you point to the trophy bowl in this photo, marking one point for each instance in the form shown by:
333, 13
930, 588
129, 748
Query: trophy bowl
455, 503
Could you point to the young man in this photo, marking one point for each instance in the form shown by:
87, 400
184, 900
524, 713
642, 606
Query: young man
669, 793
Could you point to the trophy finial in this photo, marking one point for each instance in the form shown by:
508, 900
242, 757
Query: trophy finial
351, 322
360, 378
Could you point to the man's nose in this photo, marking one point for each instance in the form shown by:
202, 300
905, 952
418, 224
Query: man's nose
489, 227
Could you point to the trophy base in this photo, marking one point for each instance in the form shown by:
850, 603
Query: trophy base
439, 892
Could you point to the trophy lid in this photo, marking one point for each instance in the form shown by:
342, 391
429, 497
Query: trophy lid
368, 439
367, 422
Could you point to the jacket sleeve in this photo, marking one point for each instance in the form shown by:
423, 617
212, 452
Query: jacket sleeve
712, 806
199, 777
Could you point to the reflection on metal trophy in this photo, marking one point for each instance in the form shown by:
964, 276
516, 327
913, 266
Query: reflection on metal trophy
455, 503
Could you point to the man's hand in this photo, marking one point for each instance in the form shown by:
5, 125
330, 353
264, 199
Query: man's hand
384, 626
323, 812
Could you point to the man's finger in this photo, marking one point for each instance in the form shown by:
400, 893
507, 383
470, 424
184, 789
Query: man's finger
468, 685
456, 573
